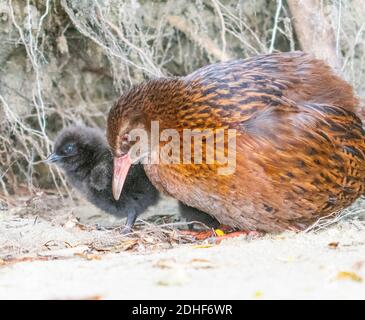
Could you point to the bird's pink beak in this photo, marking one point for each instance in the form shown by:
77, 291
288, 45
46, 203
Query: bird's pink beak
121, 168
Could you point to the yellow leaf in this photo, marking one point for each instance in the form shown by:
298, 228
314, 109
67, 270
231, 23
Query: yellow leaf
258, 294
219, 232
202, 246
348, 275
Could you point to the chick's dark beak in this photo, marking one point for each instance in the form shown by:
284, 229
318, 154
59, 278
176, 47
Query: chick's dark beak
53, 157
120, 172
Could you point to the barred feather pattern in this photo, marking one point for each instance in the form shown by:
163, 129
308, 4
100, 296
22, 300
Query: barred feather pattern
300, 145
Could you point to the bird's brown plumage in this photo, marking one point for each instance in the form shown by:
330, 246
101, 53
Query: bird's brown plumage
300, 146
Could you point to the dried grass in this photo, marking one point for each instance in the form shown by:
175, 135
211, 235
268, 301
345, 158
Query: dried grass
354, 214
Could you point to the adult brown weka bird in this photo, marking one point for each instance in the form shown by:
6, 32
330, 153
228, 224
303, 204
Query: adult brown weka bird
300, 146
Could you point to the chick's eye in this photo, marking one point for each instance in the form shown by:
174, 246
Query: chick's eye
69, 148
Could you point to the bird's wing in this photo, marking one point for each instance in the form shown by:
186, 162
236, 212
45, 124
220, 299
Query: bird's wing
100, 177
228, 93
229, 96
299, 76
315, 151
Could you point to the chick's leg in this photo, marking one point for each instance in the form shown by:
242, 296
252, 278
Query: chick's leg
131, 219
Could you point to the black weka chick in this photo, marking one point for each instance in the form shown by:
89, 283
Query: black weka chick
300, 148
83, 154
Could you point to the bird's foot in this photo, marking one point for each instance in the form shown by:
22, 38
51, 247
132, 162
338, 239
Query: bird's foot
198, 235
219, 234
124, 230
98, 227
247, 233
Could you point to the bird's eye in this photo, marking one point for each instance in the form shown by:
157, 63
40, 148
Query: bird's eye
125, 138
69, 148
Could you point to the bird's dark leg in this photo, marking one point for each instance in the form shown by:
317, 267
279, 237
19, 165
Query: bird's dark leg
131, 219
191, 214
216, 231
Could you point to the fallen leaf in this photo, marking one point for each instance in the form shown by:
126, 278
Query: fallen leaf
127, 245
199, 260
203, 246
333, 245
96, 297
118, 246
88, 256
149, 240
165, 264
258, 295
219, 232
201, 264
348, 275
236, 234
53, 243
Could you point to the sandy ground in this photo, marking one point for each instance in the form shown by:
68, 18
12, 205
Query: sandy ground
52, 250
